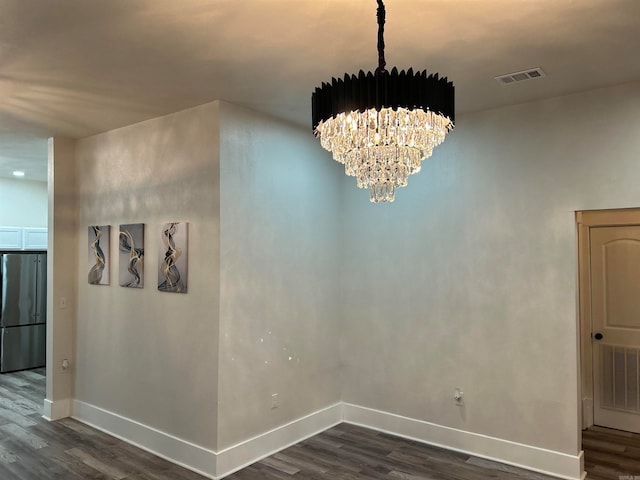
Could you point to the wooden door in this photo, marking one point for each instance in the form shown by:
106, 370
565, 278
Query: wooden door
615, 314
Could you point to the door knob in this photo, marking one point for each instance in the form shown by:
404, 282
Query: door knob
598, 336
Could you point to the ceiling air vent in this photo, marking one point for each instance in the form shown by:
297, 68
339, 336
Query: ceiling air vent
516, 77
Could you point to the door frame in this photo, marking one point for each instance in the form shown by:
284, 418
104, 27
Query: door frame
585, 220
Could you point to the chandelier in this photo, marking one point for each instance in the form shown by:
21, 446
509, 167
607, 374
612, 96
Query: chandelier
382, 125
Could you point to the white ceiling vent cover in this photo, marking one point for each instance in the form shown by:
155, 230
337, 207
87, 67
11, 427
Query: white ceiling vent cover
516, 77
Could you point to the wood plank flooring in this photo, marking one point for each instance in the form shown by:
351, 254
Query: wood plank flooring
33, 449
611, 454
349, 452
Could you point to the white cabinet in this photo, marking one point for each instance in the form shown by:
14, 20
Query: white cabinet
34, 238
23, 238
10, 238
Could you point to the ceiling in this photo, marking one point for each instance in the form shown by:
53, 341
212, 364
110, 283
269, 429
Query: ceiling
78, 67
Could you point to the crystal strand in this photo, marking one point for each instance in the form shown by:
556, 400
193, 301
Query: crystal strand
381, 149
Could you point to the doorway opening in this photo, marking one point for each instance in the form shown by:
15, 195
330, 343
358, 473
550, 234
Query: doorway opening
609, 306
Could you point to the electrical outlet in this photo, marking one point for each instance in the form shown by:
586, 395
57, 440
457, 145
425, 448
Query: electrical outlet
64, 365
458, 396
274, 401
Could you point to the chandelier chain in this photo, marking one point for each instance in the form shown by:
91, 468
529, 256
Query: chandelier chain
381, 19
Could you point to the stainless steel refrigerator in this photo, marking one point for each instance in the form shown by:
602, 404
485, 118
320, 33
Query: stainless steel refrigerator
23, 311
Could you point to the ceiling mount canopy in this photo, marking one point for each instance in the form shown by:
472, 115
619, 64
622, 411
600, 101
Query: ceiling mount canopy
382, 125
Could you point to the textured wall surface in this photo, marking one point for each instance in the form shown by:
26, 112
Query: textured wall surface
279, 315
147, 355
299, 286
469, 279
61, 266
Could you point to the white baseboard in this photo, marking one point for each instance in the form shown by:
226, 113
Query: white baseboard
587, 412
219, 464
174, 449
245, 453
56, 409
201, 460
537, 459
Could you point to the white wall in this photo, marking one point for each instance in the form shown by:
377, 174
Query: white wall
61, 275
261, 315
144, 355
279, 318
469, 279
24, 203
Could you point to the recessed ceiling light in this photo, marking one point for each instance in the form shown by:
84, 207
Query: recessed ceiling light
18, 173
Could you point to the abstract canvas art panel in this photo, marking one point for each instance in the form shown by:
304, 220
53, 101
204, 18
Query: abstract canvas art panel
172, 262
131, 247
99, 236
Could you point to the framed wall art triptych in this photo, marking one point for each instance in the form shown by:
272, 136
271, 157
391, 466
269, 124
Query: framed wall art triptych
172, 256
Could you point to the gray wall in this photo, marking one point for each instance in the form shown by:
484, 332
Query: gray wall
61, 273
146, 355
469, 279
261, 315
279, 318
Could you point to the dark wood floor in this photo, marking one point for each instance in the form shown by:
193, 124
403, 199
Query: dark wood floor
611, 454
349, 452
33, 449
